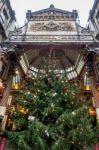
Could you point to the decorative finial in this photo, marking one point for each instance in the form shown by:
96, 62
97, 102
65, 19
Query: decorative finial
51, 6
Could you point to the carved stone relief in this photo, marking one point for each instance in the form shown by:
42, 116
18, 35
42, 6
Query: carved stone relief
52, 26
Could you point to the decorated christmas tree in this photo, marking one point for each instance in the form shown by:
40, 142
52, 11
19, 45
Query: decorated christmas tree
50, 115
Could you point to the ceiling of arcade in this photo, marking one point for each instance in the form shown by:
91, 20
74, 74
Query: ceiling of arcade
61, 60
65, 56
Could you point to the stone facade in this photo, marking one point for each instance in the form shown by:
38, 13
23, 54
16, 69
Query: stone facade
7, 19
94, 17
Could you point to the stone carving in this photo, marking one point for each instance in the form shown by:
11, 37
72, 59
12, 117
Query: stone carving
85, 30
52, 26
51, 37
36, 27
67, 26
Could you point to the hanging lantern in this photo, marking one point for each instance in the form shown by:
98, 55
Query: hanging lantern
87, 83
87, 88
16, 84
1, 86
92, 111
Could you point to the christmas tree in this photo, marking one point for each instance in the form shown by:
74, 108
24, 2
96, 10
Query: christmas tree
49, 115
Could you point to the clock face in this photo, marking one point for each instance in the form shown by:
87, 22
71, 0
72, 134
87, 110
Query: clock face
51, 26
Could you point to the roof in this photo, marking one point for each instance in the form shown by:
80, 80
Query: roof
54, 11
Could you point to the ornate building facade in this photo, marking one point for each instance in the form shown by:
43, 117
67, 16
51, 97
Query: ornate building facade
51, 36
48, 30
7, 19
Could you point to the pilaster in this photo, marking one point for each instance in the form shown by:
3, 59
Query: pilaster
92, 75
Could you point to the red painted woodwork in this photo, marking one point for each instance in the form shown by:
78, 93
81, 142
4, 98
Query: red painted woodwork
3, 143
97, 147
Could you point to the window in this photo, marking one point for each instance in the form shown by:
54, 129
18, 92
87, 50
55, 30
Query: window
97, 17
5, 14
1, 20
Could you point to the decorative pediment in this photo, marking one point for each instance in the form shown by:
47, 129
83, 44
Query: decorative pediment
51, 12
51, 26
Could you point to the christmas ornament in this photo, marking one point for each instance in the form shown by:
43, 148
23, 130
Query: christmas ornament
73, 113
52, 105
57, 77
22, 110
46, 132
92, 111
65, 89
54, 94
31, 118
49, 80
